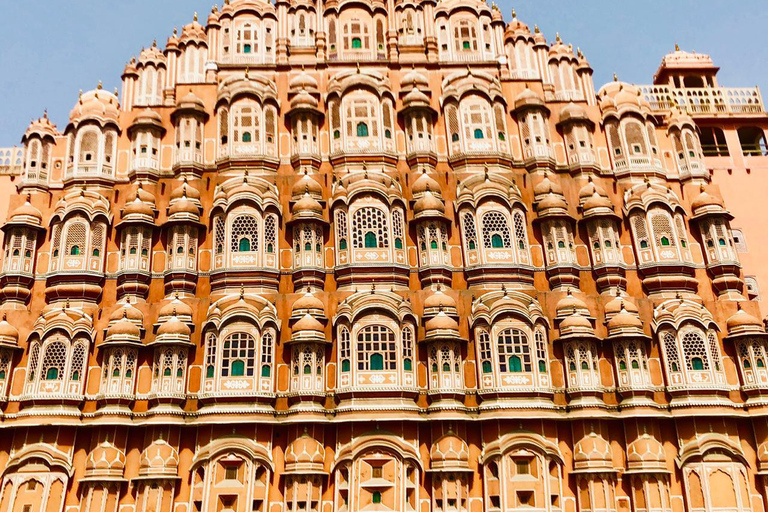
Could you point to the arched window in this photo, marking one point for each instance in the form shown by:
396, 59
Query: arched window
514, 352
477, 120
752, 139
713, 141
246, 123
370, 228
465, 35
54, 361
267, 343
635, 138
376, 348
245, 234
496, 232
345, 350
238, 358
469, 230
407, 341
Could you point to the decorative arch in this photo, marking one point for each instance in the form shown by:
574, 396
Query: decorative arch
377, 337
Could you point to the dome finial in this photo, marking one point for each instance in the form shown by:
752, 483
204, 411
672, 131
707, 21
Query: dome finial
557, 37
195, 16
100, 86
615, 77
677, 47
536, 29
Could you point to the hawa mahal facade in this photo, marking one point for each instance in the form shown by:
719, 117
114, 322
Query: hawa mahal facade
395, 255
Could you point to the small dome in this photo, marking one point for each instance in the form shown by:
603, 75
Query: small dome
303, 100
127, 311
152, 55
743, 323
529, 99
148, 117
137, 207
184, 206
593, 453
546, 186
617, 304
646, 454
572, 113
575, 321
159, 460
438, 300
190, 101
307, 185
416, 98
124, 329
305, 455
706, 200
308, 303
193, 32
303, 81
99, 105
597, 202
423, 184
308, 323
105, 461
620, 96
440, 323
414, 80
9, 335
307, 206
185, 190
26, 214
571, 304
624, 322
552, 203
517, 27
176, 307
41, 127
681, 59
449, 452
560, 49
173, 327
589, 190
428, 204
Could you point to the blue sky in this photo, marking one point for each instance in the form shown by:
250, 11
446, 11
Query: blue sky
50, 49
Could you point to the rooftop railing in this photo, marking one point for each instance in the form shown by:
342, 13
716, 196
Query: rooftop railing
705, 101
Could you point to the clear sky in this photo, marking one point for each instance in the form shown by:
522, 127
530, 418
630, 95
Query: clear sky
50, 49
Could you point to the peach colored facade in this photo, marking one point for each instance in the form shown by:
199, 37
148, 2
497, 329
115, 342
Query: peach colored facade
385, 256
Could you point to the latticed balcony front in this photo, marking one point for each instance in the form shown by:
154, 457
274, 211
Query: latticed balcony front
705, 101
